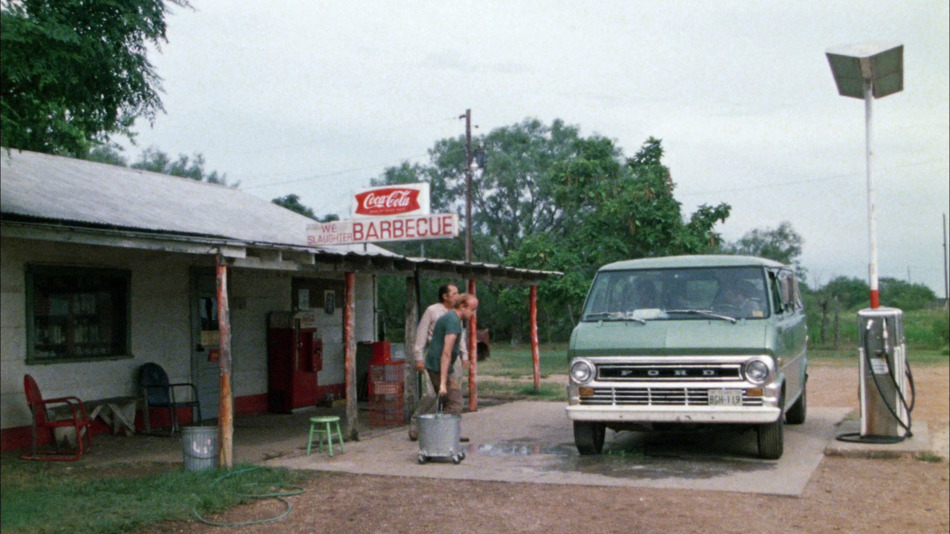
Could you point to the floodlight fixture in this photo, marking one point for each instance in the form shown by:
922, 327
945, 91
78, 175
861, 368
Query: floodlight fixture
868, 71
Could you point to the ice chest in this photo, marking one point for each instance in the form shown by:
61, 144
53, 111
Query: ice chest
439, 437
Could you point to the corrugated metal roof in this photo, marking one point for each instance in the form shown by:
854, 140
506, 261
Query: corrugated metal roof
41, 188
60, 189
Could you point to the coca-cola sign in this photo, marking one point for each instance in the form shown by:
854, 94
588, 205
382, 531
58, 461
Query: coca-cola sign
392, 200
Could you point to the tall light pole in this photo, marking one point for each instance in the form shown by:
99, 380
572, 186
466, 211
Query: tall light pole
866, 71
872, 71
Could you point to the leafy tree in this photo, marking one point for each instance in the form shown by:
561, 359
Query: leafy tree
74, 72
155, 160
292, 202
611, 209
551, 199
782, 244
852, 293
107, 153
905, 295
511, 196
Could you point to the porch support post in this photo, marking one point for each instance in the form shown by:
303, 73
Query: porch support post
226, 400
472, 356
411, 390
349, 357
533, 318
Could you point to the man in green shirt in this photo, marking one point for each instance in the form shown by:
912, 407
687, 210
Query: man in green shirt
444, 350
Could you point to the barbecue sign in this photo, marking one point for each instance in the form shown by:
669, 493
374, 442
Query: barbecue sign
389, 213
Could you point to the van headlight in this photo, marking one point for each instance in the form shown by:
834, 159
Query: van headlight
757, 371
582, 371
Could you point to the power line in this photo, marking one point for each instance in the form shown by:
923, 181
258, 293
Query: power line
331, 174
797, 182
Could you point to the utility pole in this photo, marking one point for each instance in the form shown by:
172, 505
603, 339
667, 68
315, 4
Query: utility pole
468, 184
946, 279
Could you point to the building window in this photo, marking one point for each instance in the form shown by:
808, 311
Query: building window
76, 313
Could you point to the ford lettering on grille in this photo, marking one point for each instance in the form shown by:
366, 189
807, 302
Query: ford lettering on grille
663, 372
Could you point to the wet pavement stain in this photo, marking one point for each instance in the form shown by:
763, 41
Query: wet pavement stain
639, 455
514, 448
645, 467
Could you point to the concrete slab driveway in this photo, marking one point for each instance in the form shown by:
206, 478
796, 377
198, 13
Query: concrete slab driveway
529, 441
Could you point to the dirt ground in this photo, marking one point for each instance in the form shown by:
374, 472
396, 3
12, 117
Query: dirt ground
844, 495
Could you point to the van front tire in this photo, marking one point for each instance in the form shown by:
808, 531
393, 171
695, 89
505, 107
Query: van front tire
771, 440
589, 437
796, 413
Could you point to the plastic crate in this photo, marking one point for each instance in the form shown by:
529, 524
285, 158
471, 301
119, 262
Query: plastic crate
386, 417
387, 388
391, 372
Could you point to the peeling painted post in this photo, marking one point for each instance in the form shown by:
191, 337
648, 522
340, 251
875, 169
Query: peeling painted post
535, 355
226, 399
472, 356
349, 357
412, 375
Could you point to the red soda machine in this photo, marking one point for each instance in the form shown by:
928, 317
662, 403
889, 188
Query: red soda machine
295, 355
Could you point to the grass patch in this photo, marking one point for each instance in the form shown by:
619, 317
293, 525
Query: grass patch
506, 390
929, 457
516, 361
52, 497
849, 355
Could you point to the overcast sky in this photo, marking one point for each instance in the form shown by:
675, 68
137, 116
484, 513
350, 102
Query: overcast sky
316, 98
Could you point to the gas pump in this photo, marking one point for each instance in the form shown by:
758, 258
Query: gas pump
886, 381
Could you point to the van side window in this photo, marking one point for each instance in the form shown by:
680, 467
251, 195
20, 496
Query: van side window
776, 292
789, 294
796, 295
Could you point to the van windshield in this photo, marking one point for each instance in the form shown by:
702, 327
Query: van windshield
641, 295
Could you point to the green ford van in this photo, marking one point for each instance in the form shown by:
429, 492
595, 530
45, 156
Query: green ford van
689, 340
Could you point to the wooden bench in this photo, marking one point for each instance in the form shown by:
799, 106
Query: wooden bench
117, 412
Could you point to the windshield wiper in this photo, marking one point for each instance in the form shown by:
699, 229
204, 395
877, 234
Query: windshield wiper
614, 316
706, 313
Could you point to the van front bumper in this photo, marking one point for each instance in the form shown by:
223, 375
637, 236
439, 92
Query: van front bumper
674, 414
673, 403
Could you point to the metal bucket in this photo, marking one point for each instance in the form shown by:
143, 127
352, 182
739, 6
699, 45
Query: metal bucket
200, 447
439, 437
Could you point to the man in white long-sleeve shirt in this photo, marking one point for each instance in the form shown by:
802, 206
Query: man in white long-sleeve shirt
448, 297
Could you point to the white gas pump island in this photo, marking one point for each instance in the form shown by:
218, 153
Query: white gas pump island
869, 71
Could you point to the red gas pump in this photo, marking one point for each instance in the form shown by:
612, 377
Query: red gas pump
295, 356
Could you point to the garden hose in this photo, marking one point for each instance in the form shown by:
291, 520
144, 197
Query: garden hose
297, 490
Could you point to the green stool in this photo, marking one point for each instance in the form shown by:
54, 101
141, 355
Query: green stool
328, 421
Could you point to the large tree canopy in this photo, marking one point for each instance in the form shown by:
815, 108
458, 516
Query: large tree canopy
511, 197
549, 198
610, 209
73, 72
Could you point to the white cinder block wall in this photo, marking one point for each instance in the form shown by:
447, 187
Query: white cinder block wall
160, 324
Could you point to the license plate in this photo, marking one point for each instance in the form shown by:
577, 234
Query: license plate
725, 397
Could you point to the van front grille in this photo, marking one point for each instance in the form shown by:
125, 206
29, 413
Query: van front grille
607, 396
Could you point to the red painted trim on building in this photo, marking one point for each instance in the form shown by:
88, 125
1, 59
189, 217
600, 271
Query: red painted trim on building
250, 404
21, 437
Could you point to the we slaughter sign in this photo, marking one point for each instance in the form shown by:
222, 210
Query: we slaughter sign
396, 228
403, 199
